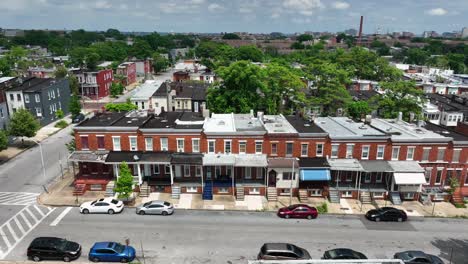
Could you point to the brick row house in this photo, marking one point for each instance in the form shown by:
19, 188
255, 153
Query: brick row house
128, 72
271, 155
95, 84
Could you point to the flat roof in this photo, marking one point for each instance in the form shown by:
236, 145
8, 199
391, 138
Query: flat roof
146, 90
346, 128
220, 123
446, 132
449, 102
175, 120
304, 126
247, 122
278, 124
34, 84
116, 119
403, 131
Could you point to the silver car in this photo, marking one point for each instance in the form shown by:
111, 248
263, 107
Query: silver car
155, 207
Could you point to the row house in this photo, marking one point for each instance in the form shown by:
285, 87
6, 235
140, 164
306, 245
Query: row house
273, 155
42, 97
179, 96
128, 71
5, 84
143, 68
446, 110
41, 72
96, 84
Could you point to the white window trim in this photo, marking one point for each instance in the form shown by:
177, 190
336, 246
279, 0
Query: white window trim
441, 176
130, 143
367, 180
271, 147
214, 146
254, 190
379, 178
113, 143
242, 142
150, 148
398, 156
156, 169
198, 171
441, 148
193, 145
167, 169
316, 149
167, 144
81, 137
362, 152
258, 141
349, 155
249, 170
230, 145
383, 152
292, 152
412, 155
183, 145
428, 154
192, 189
187, 173
337, 151
459, 155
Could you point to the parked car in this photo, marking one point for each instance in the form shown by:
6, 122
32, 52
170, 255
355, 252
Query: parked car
155, 207
104, 205
53, 248
411, 257
282, 251
343, 253
111, 252
78, 118
386, 214
298, 211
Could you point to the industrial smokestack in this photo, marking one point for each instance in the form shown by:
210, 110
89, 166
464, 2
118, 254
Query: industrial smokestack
360, 31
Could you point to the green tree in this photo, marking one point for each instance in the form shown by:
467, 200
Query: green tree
3, 140
238, 92
78, 56
231, 36
71, 146
61, 72
116, 89
23, 124
74, 85
124, 184
120, 107
416, 56
5, 69
16, 54
297, 45
141, 49
75, 105
399, 96
92, 60
59, 114
159, 62
250, 53
358, 109
456, 62
304, 37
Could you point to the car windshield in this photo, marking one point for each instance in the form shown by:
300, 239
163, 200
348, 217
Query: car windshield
93, 202
61, 244
167, 204
119, 248
296, 250
146, 204
114, 201
292, 207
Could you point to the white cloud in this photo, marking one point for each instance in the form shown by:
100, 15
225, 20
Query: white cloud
245, 10
198, 2
340, 5
103, 4
215, 7
437, 12
303, 7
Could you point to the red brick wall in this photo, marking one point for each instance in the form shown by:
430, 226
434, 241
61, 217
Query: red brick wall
104, 85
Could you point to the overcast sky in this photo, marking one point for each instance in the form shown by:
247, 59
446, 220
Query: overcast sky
236, 15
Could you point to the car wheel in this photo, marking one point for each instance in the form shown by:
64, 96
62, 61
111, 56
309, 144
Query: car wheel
377, 219
123, 260
141, 212
309, 217
66, 259
286, 216
36, 258
85, 211
400, 219
164, 213
95, 260
110, 211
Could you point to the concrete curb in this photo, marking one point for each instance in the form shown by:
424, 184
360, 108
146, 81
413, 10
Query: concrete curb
17, 154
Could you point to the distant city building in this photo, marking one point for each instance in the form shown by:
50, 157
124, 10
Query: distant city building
41, 72
430, 34
351, 32
464, 32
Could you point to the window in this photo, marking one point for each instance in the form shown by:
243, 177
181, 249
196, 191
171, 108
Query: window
167, 169
84, 142
26, 98
316, 192
38, 112
410, 153
426, 152
380, 152
254, 190
52, 94
198, 171
408, 196
448, 175
38, 98
378, 177
242, 147
60, 105
180, 145
395, 153
1, 113
211, 146
149, 144
18, 96
428, 174
58, 92
349, 151
248, 173
133, 143
319, 150
440, 154
334, 150
208, 172
227, 146
378, 194
100, 142
195, 145
349, 176
187, 171
164, 146
466, 178
116, 143
223, 190
347, 194
365, 152
456, 155
287, 176
258, 147
274, 148
192, 189
12, 97
289, 149
217, 170
367, 178
438, 179
156, 169
228, 171
259, 173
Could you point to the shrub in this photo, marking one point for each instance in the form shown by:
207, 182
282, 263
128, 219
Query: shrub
323, 208
59, 114
61, 124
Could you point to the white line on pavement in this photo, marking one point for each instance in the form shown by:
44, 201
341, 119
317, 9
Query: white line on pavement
62, 215
31, 214
12, 232
38, 210
19, 224
26, 220
5, 239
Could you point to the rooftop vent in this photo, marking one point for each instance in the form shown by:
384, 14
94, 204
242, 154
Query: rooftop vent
278, 125
307, 125
129, 122
363, 127
419, 131
164, 121
221, 123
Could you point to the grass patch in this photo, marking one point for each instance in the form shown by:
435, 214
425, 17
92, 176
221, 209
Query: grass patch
460, 206
323, 208
61, 124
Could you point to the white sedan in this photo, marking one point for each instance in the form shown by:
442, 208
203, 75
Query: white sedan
102, 206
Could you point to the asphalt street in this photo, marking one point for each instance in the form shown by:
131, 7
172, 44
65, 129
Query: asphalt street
236, 237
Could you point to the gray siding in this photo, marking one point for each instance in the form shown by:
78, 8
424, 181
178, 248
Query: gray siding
4, 118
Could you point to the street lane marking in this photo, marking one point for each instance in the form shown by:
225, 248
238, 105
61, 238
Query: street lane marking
26, 220
39, 210
19, 225
61, 216
12, 232
18, 198
5, 239
31, 214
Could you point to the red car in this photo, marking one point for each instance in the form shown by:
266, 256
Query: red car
298, 211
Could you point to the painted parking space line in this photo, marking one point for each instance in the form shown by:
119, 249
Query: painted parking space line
18, 198
61, 216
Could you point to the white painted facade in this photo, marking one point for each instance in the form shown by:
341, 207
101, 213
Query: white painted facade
15, 100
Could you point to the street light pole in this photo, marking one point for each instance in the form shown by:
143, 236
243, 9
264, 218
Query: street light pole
291, 181
42, 162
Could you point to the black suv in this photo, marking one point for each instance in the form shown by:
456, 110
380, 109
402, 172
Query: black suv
53, 248
282, 251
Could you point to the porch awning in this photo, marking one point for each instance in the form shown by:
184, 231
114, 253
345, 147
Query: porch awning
89, 156
376, 166
345, 165
219, 160
282, 163
409, 178
251, 160
187, 158
405, 166
315, 175
138, 157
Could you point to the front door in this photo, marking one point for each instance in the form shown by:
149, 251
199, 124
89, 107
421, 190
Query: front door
272, 178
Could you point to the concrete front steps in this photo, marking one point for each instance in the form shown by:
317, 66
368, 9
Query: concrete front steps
175, 192
144, 190
272, 194
303, 197
457, 199
334, 196
240, 193
365, 198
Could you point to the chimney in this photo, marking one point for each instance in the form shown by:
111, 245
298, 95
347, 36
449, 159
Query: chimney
205, 112
411, 117
368, 119
400, 117
252, 113
260, 115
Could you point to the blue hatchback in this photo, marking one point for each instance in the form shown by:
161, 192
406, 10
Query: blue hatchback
111, 252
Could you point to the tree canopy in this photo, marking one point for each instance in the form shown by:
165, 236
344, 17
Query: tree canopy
120, 107
124, 184
23, 124
231, 36
75, 105
3, 140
